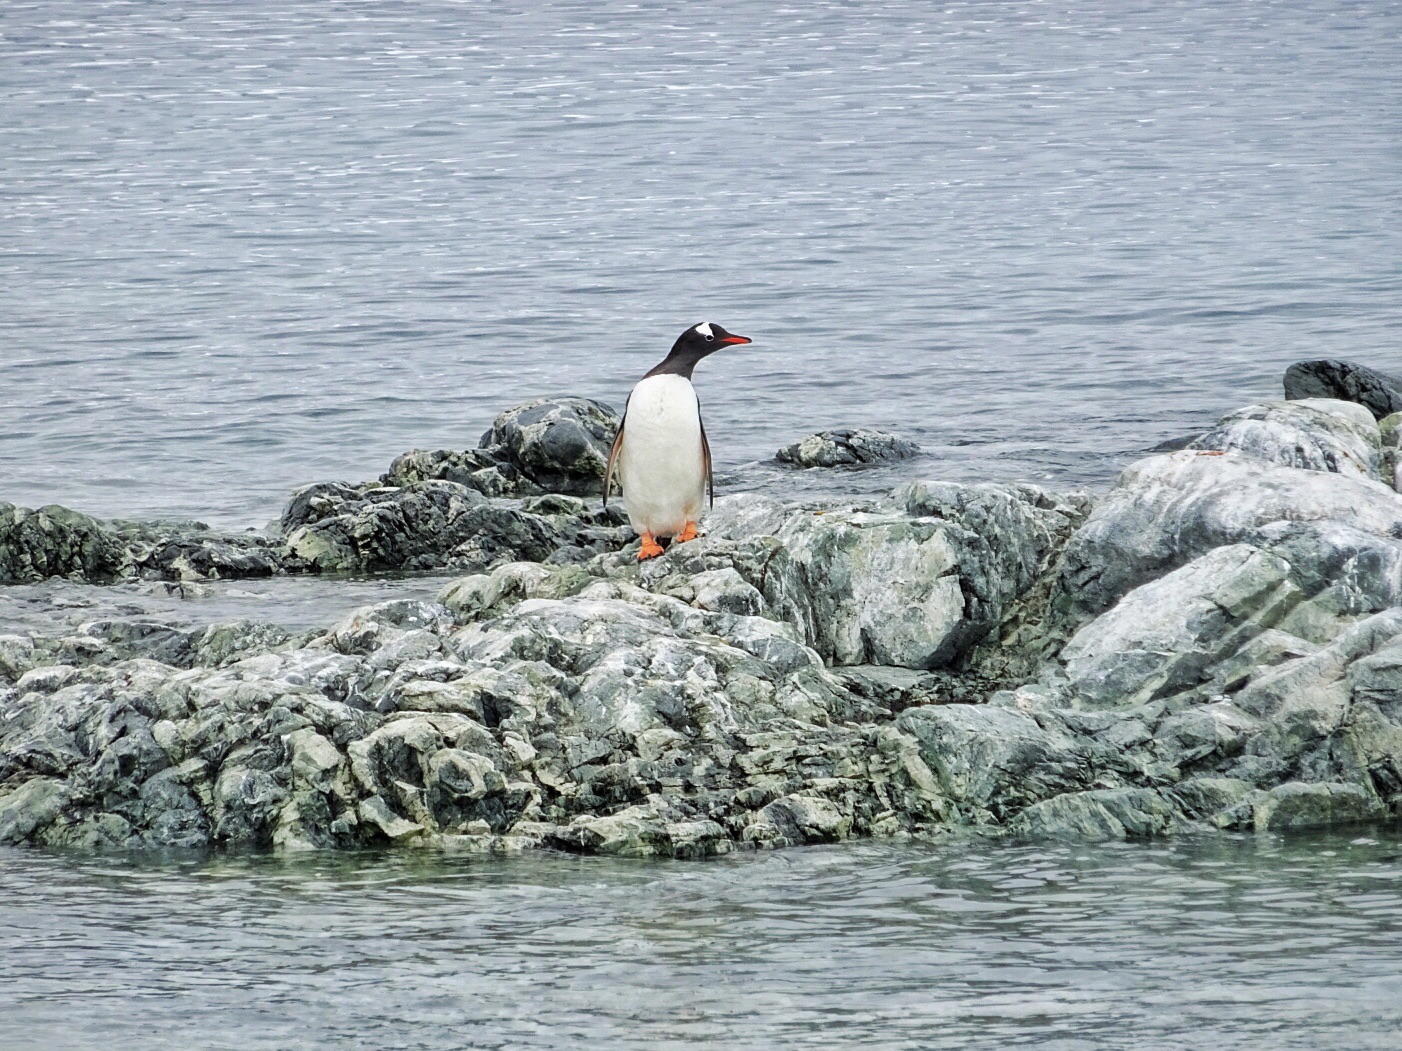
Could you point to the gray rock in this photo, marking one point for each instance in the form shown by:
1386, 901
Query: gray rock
16, 656
725, 591
993, 761
1327, 378
916, 583
1307, 806
551, 445
194, 552
30, 807
1314, 434
1114, 813
56, 542
1166, 510
1164, 636
560, 445
486, 593
803, 674
222, 644
1390, 440
427, 525
847, 448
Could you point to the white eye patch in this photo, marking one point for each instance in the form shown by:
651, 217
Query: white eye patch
705, 329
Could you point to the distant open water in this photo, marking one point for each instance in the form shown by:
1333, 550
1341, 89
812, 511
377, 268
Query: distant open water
247, 246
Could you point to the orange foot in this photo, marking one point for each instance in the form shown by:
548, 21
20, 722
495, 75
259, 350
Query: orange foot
1211, 452
650, 549
689, 533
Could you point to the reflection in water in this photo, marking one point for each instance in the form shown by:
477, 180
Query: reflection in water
1257, 942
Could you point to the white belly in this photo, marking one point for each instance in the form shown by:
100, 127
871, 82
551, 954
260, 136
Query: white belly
660, 465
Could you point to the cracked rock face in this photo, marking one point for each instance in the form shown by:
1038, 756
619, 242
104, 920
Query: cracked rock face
1217, 644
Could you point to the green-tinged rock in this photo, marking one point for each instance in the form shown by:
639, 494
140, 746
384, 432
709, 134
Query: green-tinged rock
30, 808
1121, 813
376, 813
56, 542
1301, 806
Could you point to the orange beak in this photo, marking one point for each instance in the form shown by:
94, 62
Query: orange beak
731, 340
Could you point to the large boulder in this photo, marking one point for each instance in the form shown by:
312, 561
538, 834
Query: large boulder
550, 445
1164, 636
56, 542
561, 445
1315, 434
1167, 510
1380, 394
916, 581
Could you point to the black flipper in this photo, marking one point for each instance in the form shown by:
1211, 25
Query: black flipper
706, 459
613, 453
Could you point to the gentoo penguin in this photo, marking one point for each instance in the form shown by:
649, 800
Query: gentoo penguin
664, 464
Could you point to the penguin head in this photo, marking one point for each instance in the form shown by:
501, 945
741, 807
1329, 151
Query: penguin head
693, 345
706, 338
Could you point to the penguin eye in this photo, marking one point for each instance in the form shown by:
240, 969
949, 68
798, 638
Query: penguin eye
709, 337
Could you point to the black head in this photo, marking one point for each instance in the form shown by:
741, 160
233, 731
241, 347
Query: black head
693, 345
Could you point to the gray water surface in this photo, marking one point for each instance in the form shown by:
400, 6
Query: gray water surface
246, 246
1224, 942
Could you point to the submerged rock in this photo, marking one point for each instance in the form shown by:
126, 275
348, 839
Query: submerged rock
846, 448
1327, 378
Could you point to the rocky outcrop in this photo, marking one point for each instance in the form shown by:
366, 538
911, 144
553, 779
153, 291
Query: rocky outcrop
1313, 434
847, 448
56, 542
1164, 511
1346, 381
431, 511
1216, 644
551, 445
436, 525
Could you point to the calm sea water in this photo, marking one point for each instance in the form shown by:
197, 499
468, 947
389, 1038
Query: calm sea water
245, 246
1226, 943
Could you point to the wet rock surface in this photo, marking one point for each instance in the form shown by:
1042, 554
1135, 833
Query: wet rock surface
1216, 643
847, 448
1380, 393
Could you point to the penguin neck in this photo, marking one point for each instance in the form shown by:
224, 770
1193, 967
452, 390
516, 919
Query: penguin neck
680, 362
